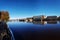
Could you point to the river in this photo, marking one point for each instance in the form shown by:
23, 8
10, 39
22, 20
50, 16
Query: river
35, 31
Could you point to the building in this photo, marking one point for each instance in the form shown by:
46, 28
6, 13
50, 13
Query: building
51, 18
39, 18
58, 18
29, 19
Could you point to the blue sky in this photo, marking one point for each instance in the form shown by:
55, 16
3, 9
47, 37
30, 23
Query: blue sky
29, 8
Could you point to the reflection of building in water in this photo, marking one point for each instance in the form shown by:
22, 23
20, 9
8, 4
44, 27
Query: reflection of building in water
39, 22
45, 22
58, 22
38, 18
51, 22
51, 18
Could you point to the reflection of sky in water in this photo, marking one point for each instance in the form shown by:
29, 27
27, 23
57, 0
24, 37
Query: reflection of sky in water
11, 34
21, 29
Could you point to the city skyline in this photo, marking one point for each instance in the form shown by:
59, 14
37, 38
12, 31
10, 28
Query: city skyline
29, 8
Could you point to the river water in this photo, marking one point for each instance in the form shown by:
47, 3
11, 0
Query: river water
35, 30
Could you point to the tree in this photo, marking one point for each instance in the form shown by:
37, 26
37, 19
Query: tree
4, 16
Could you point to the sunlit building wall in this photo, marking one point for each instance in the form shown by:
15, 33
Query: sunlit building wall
29, 19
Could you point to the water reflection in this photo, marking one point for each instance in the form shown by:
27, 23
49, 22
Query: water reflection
39, 22
51, 22
44, 22
30, 31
